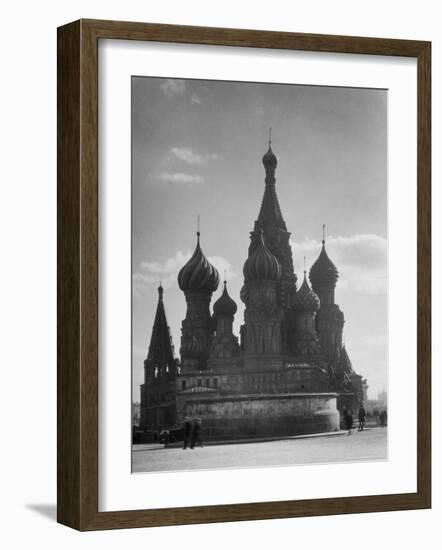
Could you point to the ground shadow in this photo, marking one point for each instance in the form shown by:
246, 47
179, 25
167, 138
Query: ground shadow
47, 510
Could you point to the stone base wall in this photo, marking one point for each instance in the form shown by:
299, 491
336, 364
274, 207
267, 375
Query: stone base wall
248, 416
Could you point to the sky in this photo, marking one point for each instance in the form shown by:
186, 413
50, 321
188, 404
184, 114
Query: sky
197, 150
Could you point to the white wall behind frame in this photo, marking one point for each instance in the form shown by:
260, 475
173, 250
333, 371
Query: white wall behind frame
28, 281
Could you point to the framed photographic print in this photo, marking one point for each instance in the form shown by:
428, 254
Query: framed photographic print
243, 275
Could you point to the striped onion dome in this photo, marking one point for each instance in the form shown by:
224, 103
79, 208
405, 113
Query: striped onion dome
224, 306
305, 299
198, 273
323, 271
191, 347
262, 264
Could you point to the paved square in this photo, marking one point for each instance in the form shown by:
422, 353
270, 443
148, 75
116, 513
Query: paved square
369, 445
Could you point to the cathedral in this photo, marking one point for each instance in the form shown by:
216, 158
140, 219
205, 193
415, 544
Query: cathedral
287, 372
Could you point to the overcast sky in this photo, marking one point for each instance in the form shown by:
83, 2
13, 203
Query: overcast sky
197, 149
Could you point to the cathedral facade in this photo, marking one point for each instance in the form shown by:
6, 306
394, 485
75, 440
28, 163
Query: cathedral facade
287, 373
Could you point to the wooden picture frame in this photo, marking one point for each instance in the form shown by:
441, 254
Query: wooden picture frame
77, 225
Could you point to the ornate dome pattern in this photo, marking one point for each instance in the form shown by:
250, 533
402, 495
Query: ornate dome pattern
262, 264
305, 299
323, 271
191, 347
198, 273
225, 306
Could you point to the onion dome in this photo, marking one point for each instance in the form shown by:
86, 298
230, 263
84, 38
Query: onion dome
198, 273
305, 299
224, 306
270, 160
191, 347
243, 294
262, 264
323, 271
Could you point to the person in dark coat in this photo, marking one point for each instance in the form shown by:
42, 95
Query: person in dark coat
361, 417
165, 436
196, 433
348, 421
187, 429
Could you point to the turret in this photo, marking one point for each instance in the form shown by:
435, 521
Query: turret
198, 279
305, 306
224, 343
224, 310
330, 319
324, 276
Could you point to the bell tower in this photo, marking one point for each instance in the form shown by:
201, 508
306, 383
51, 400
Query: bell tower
330, 319
158, 407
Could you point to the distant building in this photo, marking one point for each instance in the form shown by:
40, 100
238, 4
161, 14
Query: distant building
382, 399
136, 414
287, 373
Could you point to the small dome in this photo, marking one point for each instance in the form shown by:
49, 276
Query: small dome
191, 347
323, 271
305, 299
224, 306
270, 160
262, 264
198, 273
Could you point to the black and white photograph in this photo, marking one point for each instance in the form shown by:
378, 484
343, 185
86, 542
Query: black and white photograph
259, 274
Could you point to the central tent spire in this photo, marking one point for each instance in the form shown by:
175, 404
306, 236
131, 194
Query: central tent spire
274, 230
270, 213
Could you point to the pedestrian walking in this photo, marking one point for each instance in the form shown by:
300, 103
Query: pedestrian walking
196, 437
361, 417
165, 436
383, 418
187, 429
348, 421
